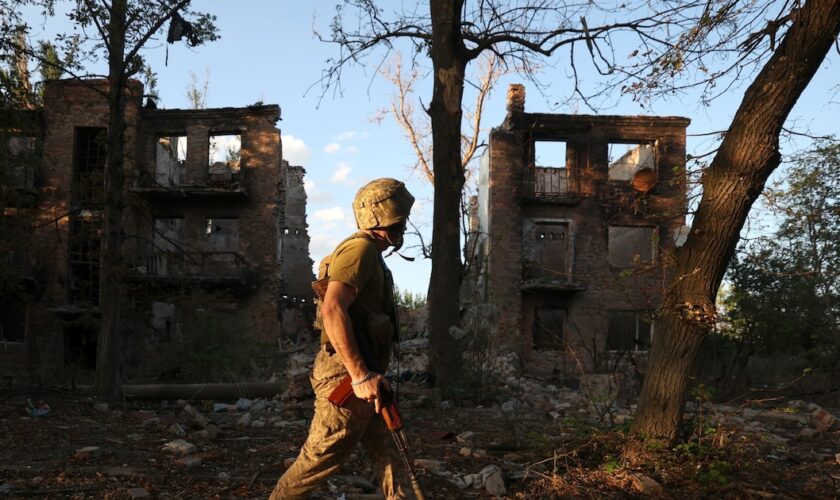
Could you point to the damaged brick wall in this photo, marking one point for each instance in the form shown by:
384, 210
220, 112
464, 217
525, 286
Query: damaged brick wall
588, 236
206, 198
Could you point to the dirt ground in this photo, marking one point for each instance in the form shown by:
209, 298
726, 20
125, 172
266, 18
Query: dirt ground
540, 457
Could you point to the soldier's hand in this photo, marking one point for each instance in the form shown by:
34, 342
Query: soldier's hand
369, 390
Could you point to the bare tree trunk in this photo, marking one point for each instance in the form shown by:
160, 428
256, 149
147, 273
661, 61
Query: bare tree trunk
110, 278
449, 63
747, 156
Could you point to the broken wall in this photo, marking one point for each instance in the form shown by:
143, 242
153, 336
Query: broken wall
575, 245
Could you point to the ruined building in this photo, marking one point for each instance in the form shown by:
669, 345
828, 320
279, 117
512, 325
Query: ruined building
574, 226
215, 234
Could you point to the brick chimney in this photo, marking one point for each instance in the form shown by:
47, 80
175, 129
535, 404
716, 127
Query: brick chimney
516, 98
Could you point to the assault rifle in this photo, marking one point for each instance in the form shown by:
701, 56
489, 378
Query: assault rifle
388, 407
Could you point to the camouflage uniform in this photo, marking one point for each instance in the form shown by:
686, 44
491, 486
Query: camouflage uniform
335, 431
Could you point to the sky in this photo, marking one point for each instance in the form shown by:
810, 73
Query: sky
268, 53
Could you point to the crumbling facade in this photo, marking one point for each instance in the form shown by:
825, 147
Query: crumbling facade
215, 234
576, 220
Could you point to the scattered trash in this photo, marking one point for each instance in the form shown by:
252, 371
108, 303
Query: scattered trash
40, 409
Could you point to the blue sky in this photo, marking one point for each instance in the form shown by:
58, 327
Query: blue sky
268, 53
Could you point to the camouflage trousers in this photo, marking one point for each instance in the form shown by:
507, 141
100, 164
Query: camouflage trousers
334, 434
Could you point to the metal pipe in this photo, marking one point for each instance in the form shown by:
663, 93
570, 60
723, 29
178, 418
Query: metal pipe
200, 391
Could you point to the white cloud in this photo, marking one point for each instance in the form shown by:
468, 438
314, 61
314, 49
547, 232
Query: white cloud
295, 150
332, 147
333, 214
346, 136
341, 174
309, 187
351, 150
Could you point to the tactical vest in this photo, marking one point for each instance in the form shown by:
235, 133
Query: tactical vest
364, 322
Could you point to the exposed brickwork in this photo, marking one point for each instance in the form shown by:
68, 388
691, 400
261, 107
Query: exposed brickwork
588, 287
247, 281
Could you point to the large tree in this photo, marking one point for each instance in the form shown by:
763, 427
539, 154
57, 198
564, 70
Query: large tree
747, 156
118, 29
453, 33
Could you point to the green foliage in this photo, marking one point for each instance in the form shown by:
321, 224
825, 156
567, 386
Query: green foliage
715, 473
409, 299
537, 440
785, 288
611, 464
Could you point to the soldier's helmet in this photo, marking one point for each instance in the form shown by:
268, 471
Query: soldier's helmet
382, 203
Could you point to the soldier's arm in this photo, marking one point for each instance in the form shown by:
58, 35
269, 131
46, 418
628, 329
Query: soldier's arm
337, 324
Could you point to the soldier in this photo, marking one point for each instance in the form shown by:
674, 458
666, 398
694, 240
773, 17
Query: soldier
359, 295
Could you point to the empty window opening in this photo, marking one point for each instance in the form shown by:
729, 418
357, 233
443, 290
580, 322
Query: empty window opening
225, 153
166, 321
222, 242
626, 160
89, 168
170, 159
629, 331
631, 245
167, 257
20, 162
83, 258
13, 316
550, 169
549, 328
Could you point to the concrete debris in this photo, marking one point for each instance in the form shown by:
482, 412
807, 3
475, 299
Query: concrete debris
822, 420
244, 404
177, 429
494, 483
298, 385
509, 406
135, 493
465, 437
87, 452
645, 484
189, 462
223, 407
200, 419
258, 424
259, 405
101, 407
244, 420
179, 446
223, 476
358, 482
209, 433
430, 464
290, 423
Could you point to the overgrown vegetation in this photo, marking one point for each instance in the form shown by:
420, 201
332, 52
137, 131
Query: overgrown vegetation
781, 308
